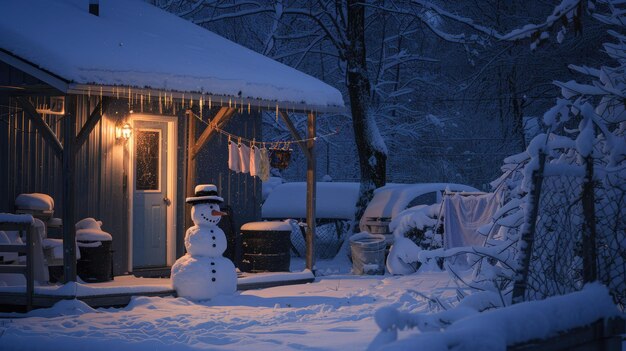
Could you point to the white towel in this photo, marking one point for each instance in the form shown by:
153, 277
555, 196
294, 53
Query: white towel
255, 161
264, 170
233, 157
463, 216
244, 158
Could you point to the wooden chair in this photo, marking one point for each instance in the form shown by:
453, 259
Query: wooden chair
25, 229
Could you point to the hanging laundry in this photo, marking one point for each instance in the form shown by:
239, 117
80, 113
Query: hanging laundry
233, 157
244, 158
255, 161
264, 170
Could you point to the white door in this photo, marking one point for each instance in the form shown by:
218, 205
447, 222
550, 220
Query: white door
150, 198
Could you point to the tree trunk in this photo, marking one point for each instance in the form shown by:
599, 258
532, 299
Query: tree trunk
370, 145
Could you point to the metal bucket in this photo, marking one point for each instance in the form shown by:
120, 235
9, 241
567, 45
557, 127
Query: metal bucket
368, 253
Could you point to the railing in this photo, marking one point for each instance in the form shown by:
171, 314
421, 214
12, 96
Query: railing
25, 269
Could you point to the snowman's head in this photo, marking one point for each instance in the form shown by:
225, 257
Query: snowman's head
206, 214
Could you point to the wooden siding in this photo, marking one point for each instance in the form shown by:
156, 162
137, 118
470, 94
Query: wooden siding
28, 165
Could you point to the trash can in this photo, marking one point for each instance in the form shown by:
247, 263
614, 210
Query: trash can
265, 247
96, 261
368, 253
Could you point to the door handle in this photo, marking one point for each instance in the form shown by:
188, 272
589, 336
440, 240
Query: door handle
167, 201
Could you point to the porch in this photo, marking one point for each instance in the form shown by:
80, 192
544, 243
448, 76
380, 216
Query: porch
119, 291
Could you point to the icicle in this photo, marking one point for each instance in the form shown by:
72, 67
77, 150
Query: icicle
200, 103
191, 102
89, 93
210, 103
248, 108
230, 102
101, 101
277, 113
141, 102
160, 104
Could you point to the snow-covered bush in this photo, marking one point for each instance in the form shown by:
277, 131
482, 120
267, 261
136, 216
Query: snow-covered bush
414, 229
421, 225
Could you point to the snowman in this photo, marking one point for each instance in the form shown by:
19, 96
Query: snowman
203, 273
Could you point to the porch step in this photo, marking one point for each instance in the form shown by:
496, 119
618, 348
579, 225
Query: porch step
152, 272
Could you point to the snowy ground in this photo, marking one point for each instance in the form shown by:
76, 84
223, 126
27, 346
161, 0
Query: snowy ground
333, 313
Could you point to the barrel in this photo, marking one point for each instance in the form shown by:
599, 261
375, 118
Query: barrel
368, 253
265, 247
95, 263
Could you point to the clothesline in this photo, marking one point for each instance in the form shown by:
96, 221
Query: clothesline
239, 139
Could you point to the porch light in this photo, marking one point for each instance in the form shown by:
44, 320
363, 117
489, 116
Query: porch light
124, 131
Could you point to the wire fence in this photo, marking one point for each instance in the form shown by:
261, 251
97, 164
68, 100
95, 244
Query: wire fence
580, 236
476, 165
329, 237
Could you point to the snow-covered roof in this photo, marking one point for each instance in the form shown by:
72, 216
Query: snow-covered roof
332, 200
134, 44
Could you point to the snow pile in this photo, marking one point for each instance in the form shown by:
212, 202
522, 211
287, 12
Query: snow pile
414, 229
494, 329
267, 226
34, 201
13, 218
89, 229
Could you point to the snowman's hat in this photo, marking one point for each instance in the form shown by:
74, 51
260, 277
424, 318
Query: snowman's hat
205, 193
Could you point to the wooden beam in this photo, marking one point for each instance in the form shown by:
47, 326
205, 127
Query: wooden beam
295, 134
41, 126
69, 160
222, 116
190, 176
311, 186
93, 119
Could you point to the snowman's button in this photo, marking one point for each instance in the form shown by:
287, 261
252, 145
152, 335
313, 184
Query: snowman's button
214, 245
213, 271
211, 230
212, 279
212, 263
213, 238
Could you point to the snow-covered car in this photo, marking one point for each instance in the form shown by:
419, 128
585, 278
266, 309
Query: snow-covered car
391, 199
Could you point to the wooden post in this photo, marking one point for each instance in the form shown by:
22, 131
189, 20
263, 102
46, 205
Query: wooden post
69, 158
310, 194
190, 179
30, 272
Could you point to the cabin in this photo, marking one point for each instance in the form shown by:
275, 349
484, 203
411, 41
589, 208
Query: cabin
118, 109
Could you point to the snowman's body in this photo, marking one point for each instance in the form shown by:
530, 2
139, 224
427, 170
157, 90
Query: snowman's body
203, 272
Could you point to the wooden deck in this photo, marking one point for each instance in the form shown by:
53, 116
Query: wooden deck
120, 291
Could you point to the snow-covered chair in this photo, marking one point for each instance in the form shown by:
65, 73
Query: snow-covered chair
41, 207
11, 237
